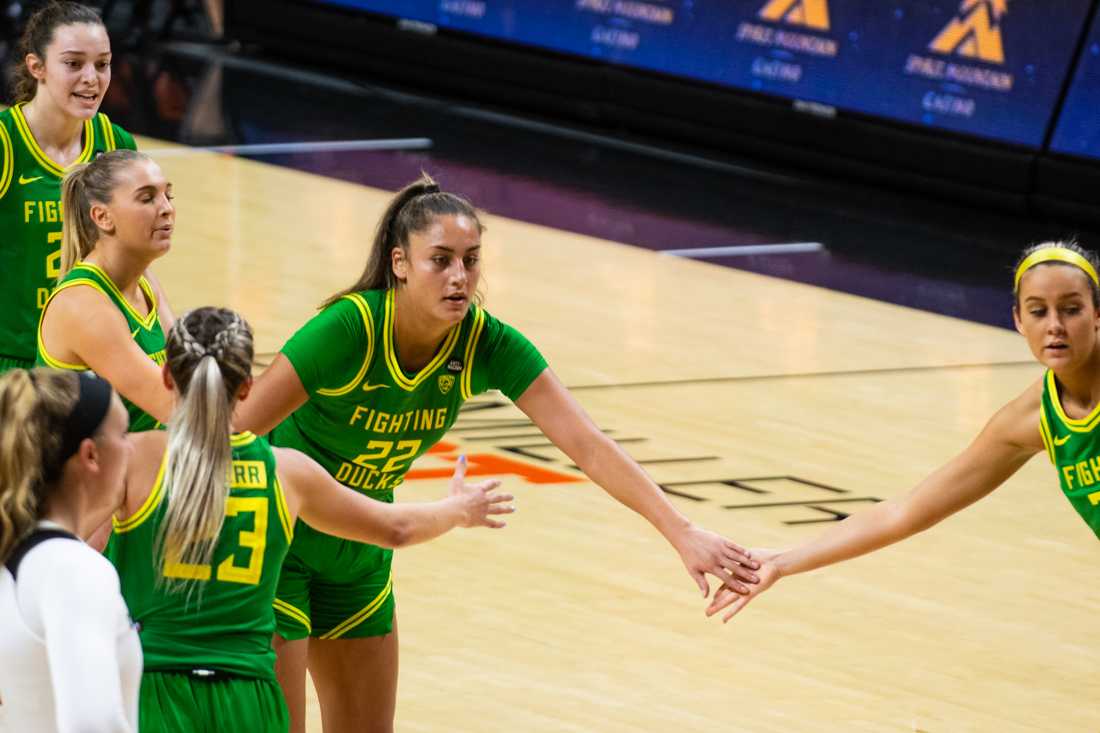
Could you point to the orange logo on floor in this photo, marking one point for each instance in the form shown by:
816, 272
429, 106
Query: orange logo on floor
975, 32
488, 464
809, 13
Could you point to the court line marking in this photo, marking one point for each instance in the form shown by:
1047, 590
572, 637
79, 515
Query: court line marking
744, 250
803, 375
322, 146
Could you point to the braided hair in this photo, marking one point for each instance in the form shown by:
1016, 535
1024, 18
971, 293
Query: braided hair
209, 356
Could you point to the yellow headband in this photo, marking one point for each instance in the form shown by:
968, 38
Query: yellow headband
1055, 254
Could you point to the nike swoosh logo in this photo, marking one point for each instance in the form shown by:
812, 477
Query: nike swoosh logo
24, 181
135, 333
368, 387
1061, 441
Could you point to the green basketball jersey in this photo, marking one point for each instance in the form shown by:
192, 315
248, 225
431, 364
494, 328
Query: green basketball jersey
367, 420
30, 215
146, 331
227, 623
1074, 449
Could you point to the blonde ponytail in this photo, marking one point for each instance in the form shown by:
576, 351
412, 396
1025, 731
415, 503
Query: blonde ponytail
209, 355
85, 185
33, 409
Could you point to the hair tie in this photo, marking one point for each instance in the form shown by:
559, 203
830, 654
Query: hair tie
1055, 254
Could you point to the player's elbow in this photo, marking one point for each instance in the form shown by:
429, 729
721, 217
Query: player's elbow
399, 533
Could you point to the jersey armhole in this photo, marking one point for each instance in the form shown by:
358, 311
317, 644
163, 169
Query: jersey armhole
1044, 433
368, 358
471, 353
7, 164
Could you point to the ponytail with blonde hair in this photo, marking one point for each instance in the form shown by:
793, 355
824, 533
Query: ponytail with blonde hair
85, 185
209, 355
34, 407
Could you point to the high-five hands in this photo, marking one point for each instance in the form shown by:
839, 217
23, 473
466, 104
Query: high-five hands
768, 573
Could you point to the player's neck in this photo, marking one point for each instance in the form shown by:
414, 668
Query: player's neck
125, 271
58, 134
67, 509
1082, 385
416, 334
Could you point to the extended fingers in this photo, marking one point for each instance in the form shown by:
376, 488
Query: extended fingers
460, 470
724, 597
740, 555
728, 580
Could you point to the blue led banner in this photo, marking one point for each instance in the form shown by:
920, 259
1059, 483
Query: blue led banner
1078, 130
990, 68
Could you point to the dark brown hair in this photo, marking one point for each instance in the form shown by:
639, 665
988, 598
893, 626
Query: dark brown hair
412, 209
1071, 245
37, 36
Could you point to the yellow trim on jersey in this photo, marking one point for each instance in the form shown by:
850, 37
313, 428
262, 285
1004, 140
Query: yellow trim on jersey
240, 440
148, 506
392, 362
471, 350
284, 511
295, 613
369, 610
50, 361
1044, 433
151, 298
9, 161
108, 132
1085, 424
368, 326
39, 155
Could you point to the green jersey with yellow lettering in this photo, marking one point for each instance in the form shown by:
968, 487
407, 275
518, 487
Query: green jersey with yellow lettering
366, 421
226, 623
30, 216
1074, 449
145, 330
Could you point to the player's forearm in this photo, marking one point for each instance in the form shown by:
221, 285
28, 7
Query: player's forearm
884, 524
608, 465
422, 521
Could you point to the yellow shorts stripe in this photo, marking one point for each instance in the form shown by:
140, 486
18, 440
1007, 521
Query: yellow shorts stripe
295, 613
370, 609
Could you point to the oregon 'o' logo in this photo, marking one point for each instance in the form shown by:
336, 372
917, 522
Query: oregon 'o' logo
809, 13
975, 32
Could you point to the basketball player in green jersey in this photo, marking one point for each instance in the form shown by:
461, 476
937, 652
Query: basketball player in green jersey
205, 607
104, 314
1057, 310
370, 384
63, 72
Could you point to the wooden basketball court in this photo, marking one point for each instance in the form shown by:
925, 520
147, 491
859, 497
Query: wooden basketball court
766, 408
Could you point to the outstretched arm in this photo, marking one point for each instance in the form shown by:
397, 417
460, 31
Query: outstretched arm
548, 403
1005, 444
275, 394
337, 510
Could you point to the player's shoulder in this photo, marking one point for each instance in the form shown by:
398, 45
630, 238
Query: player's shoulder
71, 559
115, 137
